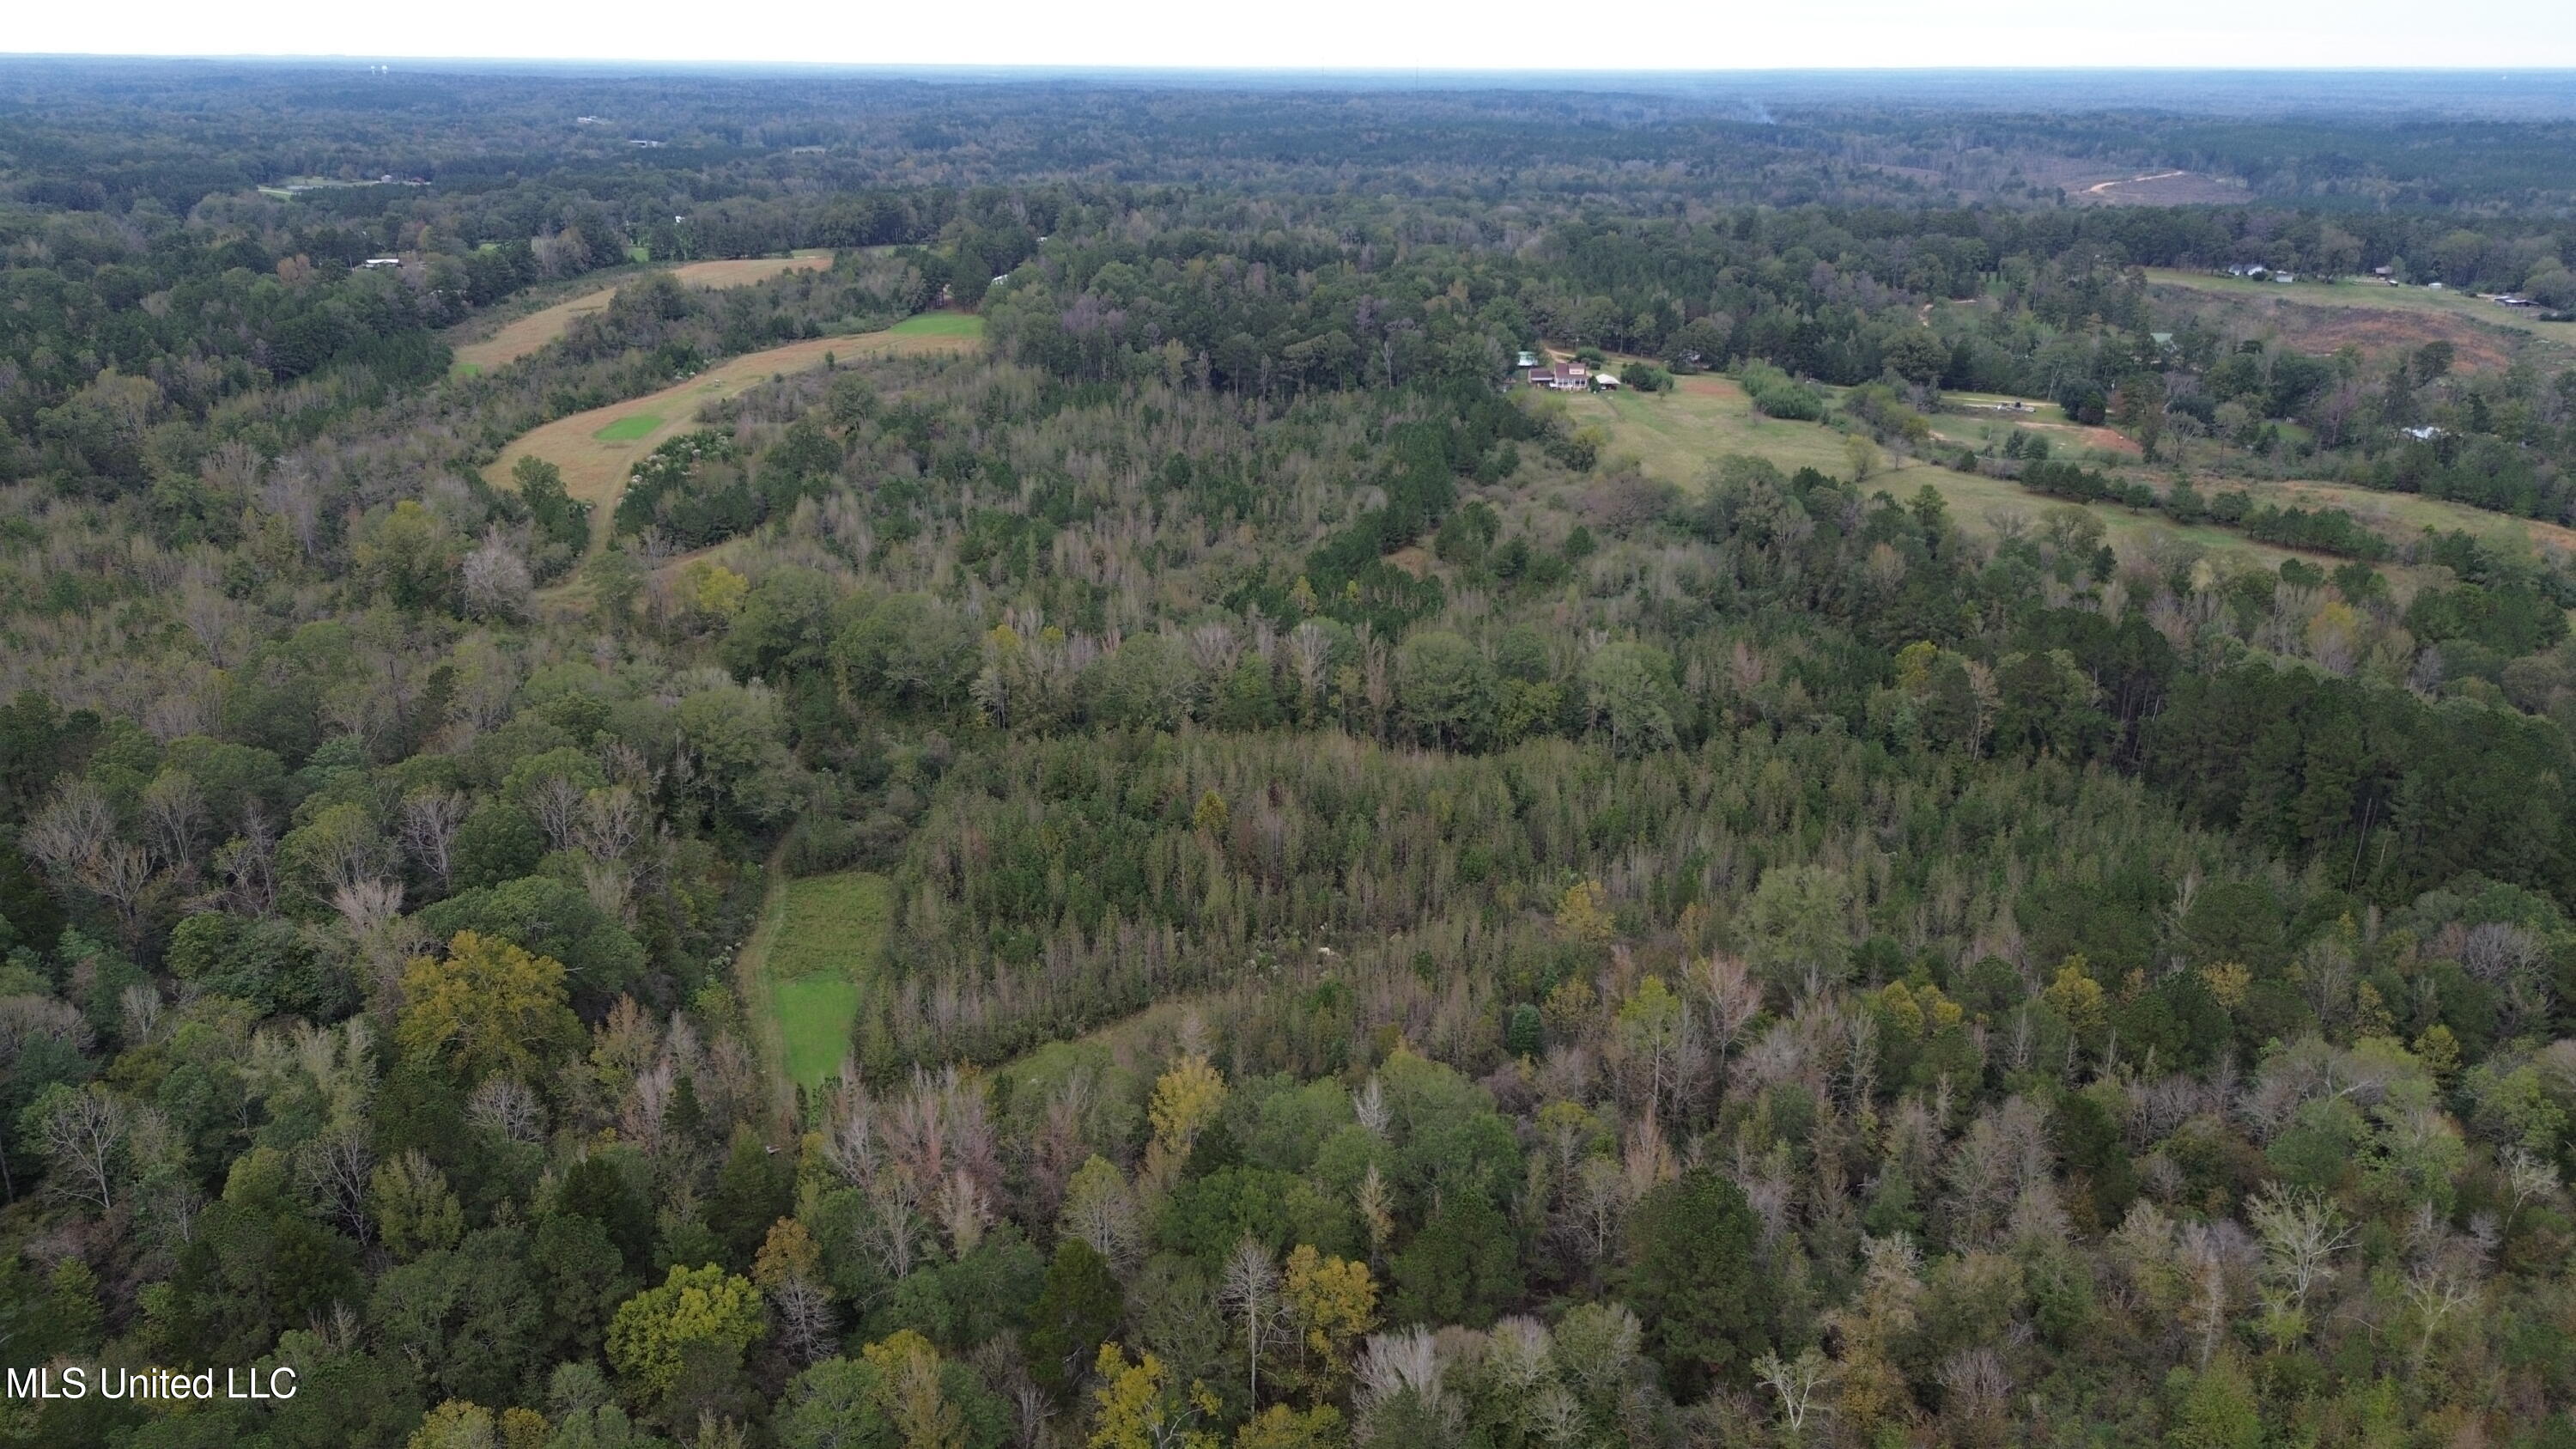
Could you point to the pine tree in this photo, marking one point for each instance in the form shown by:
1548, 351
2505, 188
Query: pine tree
1692, 1280
1077, 1312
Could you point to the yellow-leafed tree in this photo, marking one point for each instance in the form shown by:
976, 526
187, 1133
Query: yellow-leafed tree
489, 1007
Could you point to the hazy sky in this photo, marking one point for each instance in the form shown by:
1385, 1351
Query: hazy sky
1512, 34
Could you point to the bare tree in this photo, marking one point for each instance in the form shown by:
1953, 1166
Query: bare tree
140, 1005
175, 809
612, 820
1795, 1383
69, 829
1733, 998
121, 874
430, 820
334, 1168
963, 1210
249, 863
82, 1131
1309, 654
804, 1318
2437, 1288
1249, 1288
497, 582
2301, 1232
1400, 1369
1595, 1210
505, 1105
558, 803
2209, 1252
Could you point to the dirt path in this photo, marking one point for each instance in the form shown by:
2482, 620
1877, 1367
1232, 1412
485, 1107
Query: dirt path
751, 980
525, 335
2103, 188
595, 468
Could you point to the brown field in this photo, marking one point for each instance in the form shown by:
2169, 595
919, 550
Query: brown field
595, 469
2377, 318
518, 338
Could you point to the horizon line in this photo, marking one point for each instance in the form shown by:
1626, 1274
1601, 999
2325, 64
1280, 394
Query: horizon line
994, 68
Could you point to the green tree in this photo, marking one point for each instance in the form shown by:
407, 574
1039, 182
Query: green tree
1692, 1281
1079, 1310
653, 1331
488, 1007
1628, 689
2217, 1408
755, 1188
1463, 1267
1797, 925
1444, 690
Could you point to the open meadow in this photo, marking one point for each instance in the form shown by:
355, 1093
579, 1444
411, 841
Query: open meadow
520, 336
819, 939
598, 448
2367, 313
1676, 436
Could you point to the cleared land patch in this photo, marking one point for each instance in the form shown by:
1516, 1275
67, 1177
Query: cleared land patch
628, 429
820, 939
518, 338
2373, 316
595, 464
1677, 435
939, 324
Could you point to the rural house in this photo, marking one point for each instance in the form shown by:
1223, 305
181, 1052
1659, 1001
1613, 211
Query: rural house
1564, 377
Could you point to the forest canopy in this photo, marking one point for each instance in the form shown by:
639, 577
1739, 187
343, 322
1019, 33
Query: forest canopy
1277, 766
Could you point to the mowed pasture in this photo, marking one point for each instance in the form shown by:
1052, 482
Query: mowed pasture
628, 429
519, 337
820, 942
938, 324
1676, 435
598, 449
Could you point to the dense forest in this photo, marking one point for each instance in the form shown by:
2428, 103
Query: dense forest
1377, 917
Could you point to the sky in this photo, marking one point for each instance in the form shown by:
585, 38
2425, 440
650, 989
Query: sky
1442, 35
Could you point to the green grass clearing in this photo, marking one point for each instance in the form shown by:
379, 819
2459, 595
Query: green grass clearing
829, 936
628, 429
939, 324
814, 1016
1676, 435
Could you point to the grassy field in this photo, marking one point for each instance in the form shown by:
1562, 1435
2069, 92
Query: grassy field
939, 324
1980, 418
2376, 316
819, 939
628, 429
598, 448
520, 336
1676, 436
2405, 514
